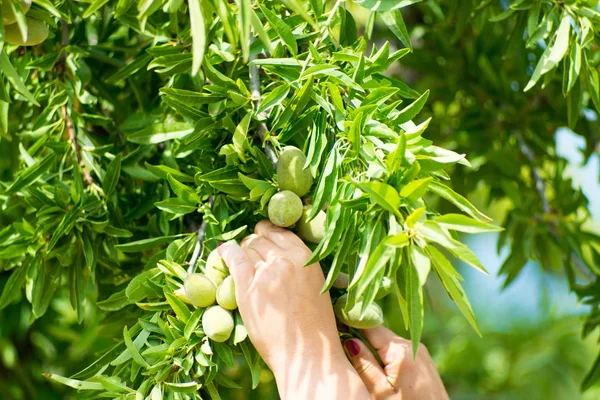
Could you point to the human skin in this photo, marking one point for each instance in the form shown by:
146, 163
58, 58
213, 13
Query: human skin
401, 378
289, 322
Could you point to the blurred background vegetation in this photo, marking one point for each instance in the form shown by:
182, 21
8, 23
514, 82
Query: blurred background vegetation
531, 345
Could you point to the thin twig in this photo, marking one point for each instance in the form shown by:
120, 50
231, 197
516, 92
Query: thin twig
255, 93
540, 188
75, 144
200, 239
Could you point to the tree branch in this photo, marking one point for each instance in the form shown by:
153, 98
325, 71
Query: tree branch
200, 239
75, 144
255, 93
541, 189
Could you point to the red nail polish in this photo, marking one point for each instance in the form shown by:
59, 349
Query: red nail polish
352, 347
220, 244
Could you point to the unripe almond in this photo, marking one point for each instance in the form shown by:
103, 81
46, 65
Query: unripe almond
8, 16
291, 174
200, 290
226, 294
216, 269
217, 323
373, 316
313, 230
37, 32
285, 208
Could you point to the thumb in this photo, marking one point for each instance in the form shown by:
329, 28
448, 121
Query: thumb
239, 264
365, 363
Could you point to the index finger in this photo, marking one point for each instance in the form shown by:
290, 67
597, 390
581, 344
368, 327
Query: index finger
281, 237
240, 265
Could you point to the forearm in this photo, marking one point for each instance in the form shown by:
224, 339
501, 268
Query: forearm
322, 377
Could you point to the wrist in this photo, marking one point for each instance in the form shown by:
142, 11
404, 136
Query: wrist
297, 377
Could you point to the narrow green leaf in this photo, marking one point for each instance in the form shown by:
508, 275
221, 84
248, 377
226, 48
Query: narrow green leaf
198, 34
93, 7
111, 178
146, 244
14, 284
13, 77
244, 17
75, 384
65, 226
135, 354
412, 110
395, 23
432, 232
463, 204
31, 174
283, 31
383, 194
462, 223
447, 275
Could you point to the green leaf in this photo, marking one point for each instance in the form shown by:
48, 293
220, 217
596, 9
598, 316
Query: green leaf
135, 354
244, 17
113, 171
95, 6
412, 110
376, 263
198, 34
416, 189
13, 77
145, 244
283, 31
593, 376
66, 224
432, 232
462, 223
184, 192
161, 171
161, 132
448, 277
183, 387
395, 159
414, 290
383, 194
395, 23
14, 284
274, 98
340, 255
463, 204
260, 31
30, 174
553, 54
75, 384
130, 69
385, 5
181, 309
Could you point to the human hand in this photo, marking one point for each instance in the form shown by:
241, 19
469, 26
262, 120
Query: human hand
401, 378
289, 322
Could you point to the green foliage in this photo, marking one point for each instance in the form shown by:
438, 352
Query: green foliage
132, 127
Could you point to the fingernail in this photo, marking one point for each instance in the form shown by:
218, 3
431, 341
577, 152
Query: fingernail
352, 347
220, 244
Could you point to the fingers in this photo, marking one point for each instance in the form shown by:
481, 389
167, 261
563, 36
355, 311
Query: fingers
365, 363
380, 337
263, 246
392, 349
281, 237
239, 263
